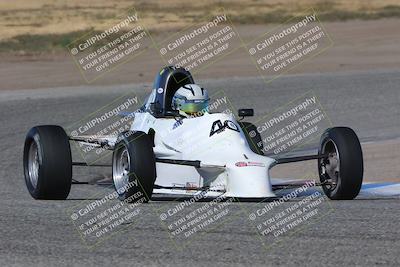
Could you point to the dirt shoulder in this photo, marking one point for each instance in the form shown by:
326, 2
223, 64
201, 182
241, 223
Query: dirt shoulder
357, 45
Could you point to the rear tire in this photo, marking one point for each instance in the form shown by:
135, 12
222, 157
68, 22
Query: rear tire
47, 162
253, 137
134, 167
341, 173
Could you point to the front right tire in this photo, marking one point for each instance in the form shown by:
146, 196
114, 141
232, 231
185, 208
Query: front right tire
253, 137
47, 162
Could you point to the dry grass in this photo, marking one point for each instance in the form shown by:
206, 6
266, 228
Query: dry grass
58, 21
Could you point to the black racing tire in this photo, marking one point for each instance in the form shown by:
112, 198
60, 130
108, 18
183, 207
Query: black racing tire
341, 174
253, 137
47, 162
134, 167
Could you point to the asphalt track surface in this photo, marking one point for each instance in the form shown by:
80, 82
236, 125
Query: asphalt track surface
362, 232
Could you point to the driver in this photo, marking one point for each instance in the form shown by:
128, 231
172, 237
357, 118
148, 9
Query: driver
191, 100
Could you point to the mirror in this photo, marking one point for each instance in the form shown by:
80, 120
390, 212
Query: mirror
246, 112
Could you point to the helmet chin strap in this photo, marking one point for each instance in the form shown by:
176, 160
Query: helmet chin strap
188, 115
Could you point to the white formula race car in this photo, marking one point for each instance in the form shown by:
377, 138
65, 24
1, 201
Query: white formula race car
164, 153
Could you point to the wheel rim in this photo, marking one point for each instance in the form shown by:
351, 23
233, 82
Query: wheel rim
121, 165
330, 166
33, 164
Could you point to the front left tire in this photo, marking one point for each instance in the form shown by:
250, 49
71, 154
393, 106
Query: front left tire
134, 167
341, 172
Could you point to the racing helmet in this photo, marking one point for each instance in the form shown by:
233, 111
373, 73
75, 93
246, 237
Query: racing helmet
191, 99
